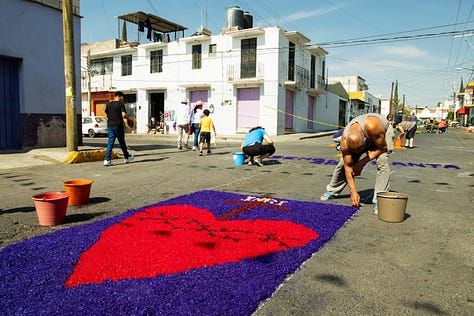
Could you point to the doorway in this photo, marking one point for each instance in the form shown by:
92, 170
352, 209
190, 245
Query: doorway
10, 105
289, 110
157, 105
248, 108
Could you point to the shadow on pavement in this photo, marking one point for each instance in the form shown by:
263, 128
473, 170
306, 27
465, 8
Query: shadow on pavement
18, 210
83, 217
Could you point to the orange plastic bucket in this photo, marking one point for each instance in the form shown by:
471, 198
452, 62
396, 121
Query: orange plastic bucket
78, 190
51, 207
398, 143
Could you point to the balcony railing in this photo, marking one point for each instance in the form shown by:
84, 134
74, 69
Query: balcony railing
250, 71
98, 82
320, 83
299, 75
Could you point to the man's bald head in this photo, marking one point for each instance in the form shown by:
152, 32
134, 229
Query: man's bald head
355, 140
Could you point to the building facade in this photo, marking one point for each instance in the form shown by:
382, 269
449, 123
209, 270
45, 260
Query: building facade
32, 96
361, 101
244, 76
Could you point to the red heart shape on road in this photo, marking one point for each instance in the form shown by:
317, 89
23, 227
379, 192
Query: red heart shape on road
176, 238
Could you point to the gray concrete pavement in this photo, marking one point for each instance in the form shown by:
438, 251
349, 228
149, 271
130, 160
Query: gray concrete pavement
421, 266
46, 156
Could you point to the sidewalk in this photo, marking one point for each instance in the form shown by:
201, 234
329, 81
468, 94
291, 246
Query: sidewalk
45, 156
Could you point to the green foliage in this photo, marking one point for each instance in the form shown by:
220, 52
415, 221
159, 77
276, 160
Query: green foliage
396, 101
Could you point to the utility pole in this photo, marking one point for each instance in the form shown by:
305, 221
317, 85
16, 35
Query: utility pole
391, 109
70, 78
89, 76
403, 105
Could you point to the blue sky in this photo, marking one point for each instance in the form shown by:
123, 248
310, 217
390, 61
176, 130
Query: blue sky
424, 64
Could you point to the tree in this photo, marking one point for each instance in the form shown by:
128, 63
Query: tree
461, 90
396, 101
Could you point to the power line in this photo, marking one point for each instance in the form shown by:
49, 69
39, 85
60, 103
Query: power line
106, 17
356, 42
460, 42
452, 40
402, 32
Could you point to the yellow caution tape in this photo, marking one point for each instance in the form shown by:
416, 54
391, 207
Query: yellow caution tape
303, 118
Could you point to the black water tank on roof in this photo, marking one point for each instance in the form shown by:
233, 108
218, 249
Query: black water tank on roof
234, 17
248, 20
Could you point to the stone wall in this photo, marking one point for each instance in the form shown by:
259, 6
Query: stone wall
46, 130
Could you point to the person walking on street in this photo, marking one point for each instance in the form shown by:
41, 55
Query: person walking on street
116, 114
205, 126
364, 139
253, 146
196, 116
182, 120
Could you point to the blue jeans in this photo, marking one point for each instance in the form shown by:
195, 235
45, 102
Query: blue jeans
196, 130
113, 133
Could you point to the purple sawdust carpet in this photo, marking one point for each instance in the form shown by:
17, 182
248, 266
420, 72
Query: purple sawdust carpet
206, 253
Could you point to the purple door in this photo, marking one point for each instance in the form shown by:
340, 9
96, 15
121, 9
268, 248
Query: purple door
310, 112
248, 108
289, 109
198, 95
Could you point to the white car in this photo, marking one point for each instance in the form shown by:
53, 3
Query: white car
93, 125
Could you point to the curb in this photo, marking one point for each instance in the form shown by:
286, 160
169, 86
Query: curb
87, 156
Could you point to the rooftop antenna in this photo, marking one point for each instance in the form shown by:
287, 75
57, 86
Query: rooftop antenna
203, 26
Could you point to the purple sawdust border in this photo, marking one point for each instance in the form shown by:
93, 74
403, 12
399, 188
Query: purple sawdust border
33, 272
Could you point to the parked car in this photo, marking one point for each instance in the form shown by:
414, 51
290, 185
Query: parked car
94, 125
454, 124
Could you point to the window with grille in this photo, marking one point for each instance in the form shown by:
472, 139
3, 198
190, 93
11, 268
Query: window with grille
126, 65
102, 66
212, 49
197, 56
248, 58
156, 61
291, 62
312, 75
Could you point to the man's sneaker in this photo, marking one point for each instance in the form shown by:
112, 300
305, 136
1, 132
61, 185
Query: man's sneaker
180, 148
195, 148
107, 162
258, 162
200, 153
250, 163
129, 159
208, 152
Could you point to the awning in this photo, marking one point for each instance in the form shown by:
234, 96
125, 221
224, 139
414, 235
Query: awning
357, 95
462, 110
155, 22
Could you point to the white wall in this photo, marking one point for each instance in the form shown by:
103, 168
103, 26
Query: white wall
33, 33
220, 74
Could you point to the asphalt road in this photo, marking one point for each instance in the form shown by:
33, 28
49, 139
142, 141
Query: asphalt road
421, 266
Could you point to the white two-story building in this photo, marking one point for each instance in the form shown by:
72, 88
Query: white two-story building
246, 76
361, 100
